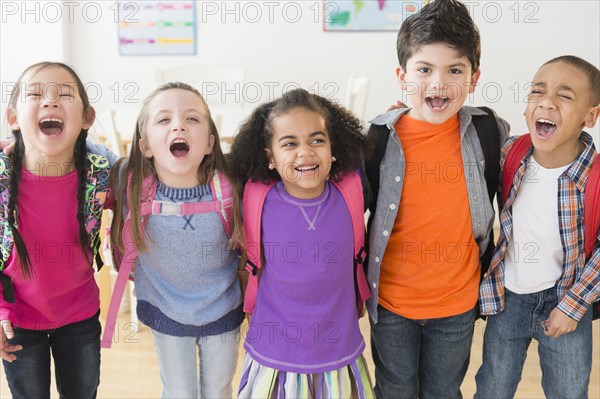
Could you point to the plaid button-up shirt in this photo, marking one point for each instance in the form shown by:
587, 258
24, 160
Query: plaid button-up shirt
579, 284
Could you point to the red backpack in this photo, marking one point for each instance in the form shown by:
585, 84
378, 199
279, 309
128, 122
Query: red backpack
255, 194
591, 197
222, 203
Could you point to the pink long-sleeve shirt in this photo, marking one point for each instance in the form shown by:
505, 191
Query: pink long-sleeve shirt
62, 289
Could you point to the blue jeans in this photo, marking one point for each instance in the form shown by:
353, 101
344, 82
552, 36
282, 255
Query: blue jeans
178, 357
76, 352
421, 358
566, 361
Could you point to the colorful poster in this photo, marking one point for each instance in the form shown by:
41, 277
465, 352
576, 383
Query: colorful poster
367, 15
157, 28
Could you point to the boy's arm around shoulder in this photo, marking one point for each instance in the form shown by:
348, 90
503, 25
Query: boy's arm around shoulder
101, 149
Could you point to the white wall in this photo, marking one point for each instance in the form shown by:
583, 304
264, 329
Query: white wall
29, 32
289, 48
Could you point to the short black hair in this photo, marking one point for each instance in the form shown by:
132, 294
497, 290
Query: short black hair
441, 21
592, 73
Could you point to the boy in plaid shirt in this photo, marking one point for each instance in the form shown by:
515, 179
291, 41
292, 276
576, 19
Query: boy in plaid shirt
540, 284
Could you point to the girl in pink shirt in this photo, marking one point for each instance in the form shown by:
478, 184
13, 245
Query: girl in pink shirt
51, 197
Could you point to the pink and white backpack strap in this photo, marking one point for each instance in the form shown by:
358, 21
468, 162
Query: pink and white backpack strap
128, 260
223, 193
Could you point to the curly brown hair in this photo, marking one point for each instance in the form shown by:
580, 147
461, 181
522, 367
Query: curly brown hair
248, 159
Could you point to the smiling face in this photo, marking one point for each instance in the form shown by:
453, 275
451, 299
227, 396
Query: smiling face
559, 107
437, 81
300, 151
177, 135
49, 113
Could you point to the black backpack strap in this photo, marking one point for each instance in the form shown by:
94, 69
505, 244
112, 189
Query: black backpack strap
489, 138
377, 137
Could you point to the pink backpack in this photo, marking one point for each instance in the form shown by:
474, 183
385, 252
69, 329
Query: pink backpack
222, 203
255, 194
591, 197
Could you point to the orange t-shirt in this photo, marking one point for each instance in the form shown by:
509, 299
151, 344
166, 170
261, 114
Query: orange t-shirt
431, 264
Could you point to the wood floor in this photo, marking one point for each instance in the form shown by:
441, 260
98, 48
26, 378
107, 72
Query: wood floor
129, 369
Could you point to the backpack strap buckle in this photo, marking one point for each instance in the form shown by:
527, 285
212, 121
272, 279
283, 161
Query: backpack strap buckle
251, 267
361, 256
165, 208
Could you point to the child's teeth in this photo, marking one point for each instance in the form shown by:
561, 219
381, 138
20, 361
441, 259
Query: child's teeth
546, 121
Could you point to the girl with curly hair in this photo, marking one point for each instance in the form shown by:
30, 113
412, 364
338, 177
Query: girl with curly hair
298, 159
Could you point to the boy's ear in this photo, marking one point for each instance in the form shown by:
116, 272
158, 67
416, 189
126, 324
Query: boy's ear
89, 117
474, 80
146, 151
11, 118
592, 116
401, 74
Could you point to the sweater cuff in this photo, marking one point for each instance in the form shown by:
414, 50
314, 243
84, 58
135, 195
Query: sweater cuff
6, 314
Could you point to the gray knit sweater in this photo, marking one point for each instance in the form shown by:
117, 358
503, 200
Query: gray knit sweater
186, 283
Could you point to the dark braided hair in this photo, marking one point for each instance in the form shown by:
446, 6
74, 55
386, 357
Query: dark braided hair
17, 158
81, 165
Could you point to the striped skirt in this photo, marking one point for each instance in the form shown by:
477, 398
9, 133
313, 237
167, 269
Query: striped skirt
351, 381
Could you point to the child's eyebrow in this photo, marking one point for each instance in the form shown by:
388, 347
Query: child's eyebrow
37, 85
566, 88
543, 85
456, 64
185, 111
288, 137
292, 137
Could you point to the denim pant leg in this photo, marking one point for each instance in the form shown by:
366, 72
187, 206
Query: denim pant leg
445, 354
76, 353
506, 340
395, 345
218, 361
28, 376
177, 364
566, 361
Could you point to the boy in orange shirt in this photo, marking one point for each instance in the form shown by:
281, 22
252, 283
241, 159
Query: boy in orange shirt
432, 219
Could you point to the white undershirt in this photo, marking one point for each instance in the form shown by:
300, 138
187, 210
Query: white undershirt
534, 258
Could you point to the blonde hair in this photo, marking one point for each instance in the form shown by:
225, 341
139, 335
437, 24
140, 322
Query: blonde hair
139, 167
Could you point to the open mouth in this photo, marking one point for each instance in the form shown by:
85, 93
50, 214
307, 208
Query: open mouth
544, 128
437, 103
179, 148
307, 168
51, 126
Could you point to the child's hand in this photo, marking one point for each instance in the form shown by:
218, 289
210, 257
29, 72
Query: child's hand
6, 333
399, 104
7, 146
558, 324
